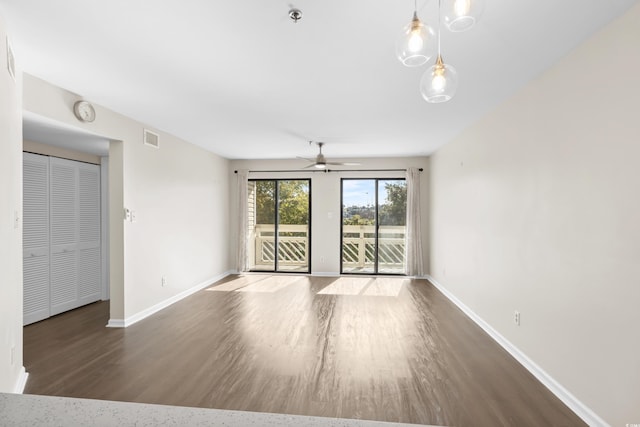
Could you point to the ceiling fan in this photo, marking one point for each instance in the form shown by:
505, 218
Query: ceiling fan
320, 162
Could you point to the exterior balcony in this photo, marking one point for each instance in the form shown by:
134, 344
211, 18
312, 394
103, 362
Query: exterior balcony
358, 248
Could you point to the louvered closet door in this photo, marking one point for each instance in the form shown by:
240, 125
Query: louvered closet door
64, 235
89, 266
35, 237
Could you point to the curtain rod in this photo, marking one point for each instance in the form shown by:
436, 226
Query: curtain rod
330, 170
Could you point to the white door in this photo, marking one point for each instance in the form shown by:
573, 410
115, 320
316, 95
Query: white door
89, 232
35, 237
64, 235
62, 247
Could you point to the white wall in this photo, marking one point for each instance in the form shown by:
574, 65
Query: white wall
325, 202
10, 236
536, 208
179, 193
51, 150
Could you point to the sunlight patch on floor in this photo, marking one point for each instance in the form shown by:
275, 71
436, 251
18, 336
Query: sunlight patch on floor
238, 283
261, 283
367, 286
274, 284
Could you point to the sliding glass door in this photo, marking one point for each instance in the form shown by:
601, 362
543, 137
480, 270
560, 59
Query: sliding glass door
279, 225
373, 226
392, 226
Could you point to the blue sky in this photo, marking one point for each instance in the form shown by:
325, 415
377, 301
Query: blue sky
358, 192
361, 192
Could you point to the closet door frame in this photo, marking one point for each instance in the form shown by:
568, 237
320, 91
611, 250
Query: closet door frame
72, 273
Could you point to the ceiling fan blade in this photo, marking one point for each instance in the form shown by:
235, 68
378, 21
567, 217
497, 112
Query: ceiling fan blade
321, 162
343, 163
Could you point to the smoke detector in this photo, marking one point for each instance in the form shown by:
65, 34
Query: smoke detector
295, 15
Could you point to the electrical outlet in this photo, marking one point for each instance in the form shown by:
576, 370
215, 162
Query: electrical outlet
516, 317
13, 355
164, 281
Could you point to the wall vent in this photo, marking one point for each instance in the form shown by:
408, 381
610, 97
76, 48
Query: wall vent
151, 139
11, 63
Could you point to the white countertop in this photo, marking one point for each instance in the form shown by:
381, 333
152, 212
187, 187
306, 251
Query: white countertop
31, 410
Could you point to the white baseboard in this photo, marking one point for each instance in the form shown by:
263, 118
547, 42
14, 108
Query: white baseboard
22, 381
325, 274
115, 323
581, 410
282, 273
335, 274
119, 323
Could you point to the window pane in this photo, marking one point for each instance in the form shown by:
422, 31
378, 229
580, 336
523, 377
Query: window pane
373, 226
358, 225
279, 221
293, 225
392, 219
262, 220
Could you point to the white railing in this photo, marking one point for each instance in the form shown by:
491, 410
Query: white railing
358, 247
293, 245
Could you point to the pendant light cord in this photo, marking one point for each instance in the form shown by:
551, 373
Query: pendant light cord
439, 24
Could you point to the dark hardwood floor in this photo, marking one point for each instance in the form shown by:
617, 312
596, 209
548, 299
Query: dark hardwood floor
388, 349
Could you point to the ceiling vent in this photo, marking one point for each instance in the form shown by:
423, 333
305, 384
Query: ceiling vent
151, 139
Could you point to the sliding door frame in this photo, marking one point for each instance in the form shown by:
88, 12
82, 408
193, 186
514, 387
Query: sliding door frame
376, 227
276, 239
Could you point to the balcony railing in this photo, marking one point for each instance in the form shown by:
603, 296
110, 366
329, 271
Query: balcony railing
293, 247
358, 248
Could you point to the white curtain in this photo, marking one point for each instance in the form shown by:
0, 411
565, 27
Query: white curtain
415, 264
242, 263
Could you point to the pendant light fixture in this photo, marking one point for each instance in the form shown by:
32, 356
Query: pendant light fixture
461, 15
440, 82
416, 44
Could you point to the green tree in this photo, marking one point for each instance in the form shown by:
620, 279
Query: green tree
293, 197
394, 209
294, 202
358, 220
265, 202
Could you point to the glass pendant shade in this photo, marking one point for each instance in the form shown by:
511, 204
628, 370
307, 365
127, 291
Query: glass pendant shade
439, 83
417, 43
461, 15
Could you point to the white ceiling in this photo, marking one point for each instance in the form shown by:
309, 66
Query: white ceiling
242, 80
